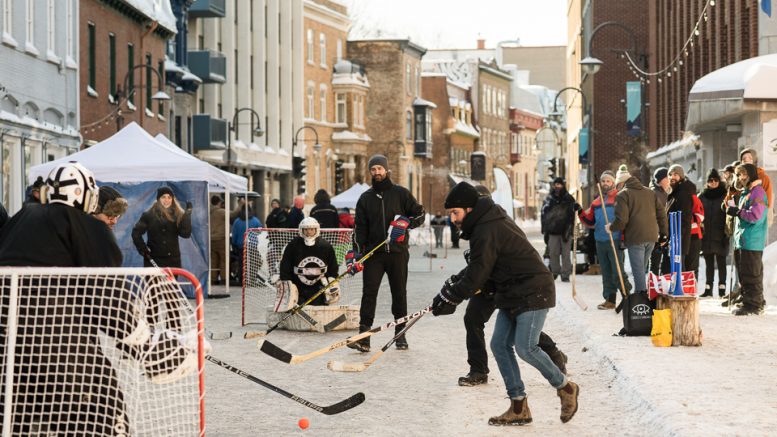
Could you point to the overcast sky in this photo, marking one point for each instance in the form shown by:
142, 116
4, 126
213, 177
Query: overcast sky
459, 23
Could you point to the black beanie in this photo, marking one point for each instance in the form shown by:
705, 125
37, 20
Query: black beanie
377, 160
560, 180
713, 174
161, 191
463, 195
660, 174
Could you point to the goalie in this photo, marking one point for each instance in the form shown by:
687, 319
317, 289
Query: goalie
308, 264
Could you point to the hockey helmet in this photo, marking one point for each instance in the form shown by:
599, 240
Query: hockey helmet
309, 223
71, 184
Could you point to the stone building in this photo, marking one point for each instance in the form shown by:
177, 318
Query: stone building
39, 100
524, 160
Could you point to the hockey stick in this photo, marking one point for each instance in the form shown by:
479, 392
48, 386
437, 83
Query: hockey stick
218, 336
578, 300
329, 410
296, 309
612, 242
305, 316
281, 355
339, 366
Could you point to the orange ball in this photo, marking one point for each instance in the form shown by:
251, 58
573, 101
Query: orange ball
304, 423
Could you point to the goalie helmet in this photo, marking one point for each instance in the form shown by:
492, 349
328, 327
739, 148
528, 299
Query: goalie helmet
71, 184
309, 223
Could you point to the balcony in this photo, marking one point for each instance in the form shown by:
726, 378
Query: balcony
208, 133
208, 65
208, 9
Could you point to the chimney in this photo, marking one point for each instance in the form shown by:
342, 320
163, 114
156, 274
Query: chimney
481, 43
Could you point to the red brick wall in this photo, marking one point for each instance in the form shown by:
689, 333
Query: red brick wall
127, 30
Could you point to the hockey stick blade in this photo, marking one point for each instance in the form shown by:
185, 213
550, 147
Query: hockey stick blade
220, 335
305, 316
335, 323
579, 301
329, 410
281, 355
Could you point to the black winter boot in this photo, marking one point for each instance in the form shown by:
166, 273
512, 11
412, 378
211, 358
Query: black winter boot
721, 290
707, 291
473, 378
362, 345
401, 343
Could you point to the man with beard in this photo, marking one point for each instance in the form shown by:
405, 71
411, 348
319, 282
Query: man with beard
681, 200
385, 204
523, 290
557, 218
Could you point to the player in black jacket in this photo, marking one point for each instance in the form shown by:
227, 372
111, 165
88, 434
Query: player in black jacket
376, 210
309, 262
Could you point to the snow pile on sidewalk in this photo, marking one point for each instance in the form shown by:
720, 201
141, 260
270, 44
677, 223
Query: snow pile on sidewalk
770, 267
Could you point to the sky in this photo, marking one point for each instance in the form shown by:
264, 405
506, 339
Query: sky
459, 23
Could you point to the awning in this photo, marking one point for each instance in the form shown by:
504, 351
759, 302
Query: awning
457, 179
749, 79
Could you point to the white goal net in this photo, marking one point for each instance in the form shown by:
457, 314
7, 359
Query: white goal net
99, 352
263, 251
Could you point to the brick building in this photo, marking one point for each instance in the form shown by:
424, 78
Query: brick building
454, 138
117, 37
394, 69
491, 100
524, 160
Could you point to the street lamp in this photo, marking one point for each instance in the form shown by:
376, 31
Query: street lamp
298, 162
160, 95
232, 127
592, 64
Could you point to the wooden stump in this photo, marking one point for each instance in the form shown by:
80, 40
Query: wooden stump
685, 319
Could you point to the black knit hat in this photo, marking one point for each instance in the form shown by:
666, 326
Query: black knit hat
161, 191
713, 174
463, 195
660, 174
560, 180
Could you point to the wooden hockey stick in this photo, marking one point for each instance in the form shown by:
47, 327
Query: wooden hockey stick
339, 366
612, 242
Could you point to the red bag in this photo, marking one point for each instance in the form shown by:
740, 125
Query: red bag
663, 284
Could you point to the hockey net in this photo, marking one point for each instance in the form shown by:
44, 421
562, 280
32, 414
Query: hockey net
263, 250
100, 351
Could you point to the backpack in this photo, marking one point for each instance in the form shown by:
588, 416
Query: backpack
637, 315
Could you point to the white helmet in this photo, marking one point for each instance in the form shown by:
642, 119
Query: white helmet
309, 223
73, 185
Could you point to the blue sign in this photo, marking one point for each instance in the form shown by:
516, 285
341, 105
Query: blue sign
633, 108
583, 139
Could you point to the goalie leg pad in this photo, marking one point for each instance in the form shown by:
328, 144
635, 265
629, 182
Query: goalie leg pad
286, 296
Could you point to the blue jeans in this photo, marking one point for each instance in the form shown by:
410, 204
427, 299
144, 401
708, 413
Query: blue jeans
610, 280
521, 334
639, 256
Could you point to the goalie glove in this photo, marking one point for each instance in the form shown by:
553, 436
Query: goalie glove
286, 296
332, 294
398, 229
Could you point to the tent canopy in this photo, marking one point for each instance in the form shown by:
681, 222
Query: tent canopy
349, 197
132, 155
750, 79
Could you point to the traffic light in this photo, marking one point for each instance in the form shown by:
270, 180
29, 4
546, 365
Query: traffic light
299, 171
552, 168
339, 176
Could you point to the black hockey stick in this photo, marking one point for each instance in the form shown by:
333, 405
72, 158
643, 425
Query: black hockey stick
281, 355
329, 410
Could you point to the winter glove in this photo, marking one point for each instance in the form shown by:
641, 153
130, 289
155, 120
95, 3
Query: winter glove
145, 252
189, 206
662, 240
450, 281
352, 264
577, 207
445, 302
398, 228
733, 211
607, 228
466, 256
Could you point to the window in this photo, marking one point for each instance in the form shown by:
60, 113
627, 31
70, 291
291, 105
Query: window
408, 82
112, 65
417, 81
148, 81
92, 67
30, 23
339, 49
322, 101
7, 17
310, 46
484, 99
160, 67
409, 125
129, 92
359, 111
322, 48
310, 113
51, 21
341, 111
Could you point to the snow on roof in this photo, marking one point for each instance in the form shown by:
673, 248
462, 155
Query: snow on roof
663, 150
157, 10
171, 66
347, 135
752, 78
421, 102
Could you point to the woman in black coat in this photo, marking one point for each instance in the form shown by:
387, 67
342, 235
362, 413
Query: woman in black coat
324, 212
164, 222
714, 244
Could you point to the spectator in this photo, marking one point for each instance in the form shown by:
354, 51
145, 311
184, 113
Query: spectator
296, 215
246, 220
110, 206
594, 217
556, 225
218, 236
33, 191
681, 200
346, 219
642, 219
694, 252
714, 246
324, 212
749, 156
438, 223
750, 239
733, 194
164, 222
659, 258
277, 217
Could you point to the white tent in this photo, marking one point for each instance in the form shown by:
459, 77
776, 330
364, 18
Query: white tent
133, 155
349, 197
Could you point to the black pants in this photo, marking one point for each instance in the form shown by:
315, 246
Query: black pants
750, 269
691, 260
479, 310
710, 261
659, 260
395, 266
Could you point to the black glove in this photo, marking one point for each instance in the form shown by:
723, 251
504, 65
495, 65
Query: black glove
546, 237
450, 281
445, 302
733, 211
145, 252
466, 256
662, 240
188, 205
578, 207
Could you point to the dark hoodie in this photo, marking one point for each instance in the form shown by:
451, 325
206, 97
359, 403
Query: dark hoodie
558, 214
681, 200
501, 253
715, 241
639, 214
324, 212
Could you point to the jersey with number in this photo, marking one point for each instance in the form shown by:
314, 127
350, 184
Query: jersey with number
305, 266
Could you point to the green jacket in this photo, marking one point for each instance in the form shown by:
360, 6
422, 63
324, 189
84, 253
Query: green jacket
639, 214
751, 226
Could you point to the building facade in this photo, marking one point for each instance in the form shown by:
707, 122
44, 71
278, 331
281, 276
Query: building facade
39, 99
122, 60
524, 160
545, 65
394, 70
256, 51
491, 100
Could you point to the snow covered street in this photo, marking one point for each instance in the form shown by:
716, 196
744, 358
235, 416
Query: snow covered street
628, 386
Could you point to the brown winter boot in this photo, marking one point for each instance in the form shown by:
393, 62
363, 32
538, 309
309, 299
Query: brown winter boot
517, 414
568, 395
